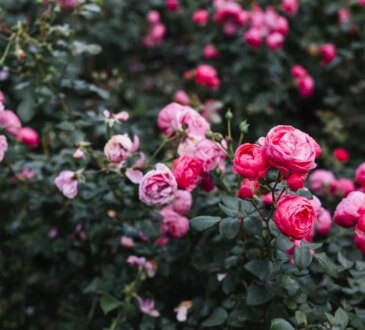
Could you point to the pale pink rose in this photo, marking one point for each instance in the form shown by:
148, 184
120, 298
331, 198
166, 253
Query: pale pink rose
174, 225
196, 124
290, 150
148, 266
342, 187
182, 310
182, 202
295, 217
122, 116
210, 154
134, 175
26, 174
158, 187
181, 97
360, 175
324, 222
118, 149
78, 154
317, 205
153, 17
321, 181
127, 242
349, 209
28, 136
169, 119
3, 147
67, 183
147, 306
10, 121
211, 111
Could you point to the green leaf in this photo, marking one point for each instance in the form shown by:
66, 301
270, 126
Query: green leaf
300, 318
302, 257
231, 212
253, 225
280, 324
346, 263
330, 318
26, 109
218, 316
259, 268
257, 295
327, 264
305, 193
341, 318
203, 222
229, 227
282, 243
109, 303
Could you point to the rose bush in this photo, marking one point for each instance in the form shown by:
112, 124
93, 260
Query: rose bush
159, 160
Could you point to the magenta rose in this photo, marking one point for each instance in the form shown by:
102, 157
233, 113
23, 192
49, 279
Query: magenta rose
295, 217
158, 187
349, 209
248, 189
290, 150
360, 233
360, 175
249, 161
174, 225
187, 171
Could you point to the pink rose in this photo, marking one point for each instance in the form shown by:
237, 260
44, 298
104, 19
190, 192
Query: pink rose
324, 222
182, 202
328, 52
66, 182
158, 187
147, 306
174, 225
170, 118
295, 217
181, 97
306, 86
207, 76
253, 37
297, 71
321, 181
290, 7
341, 155
360, 233
10, 121
342, 187
67, 5
210, 52
201, 17
290, 150
249, 161
118, 149
360, 175
210, 154
28, 136
248, 189
3, 147
275, 41
127, 242
172, 5
296, 181
196, 124
348, 210
343, 16
187, 171
153, 17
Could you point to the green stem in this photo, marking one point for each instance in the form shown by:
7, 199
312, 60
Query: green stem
6, 51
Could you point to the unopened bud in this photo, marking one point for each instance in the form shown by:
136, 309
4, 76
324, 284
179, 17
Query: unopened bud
229, 115
244, 127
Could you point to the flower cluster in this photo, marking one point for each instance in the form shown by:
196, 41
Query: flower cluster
303, 80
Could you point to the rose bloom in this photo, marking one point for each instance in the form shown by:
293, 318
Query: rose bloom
10, 121
67, 5
328, 52
296, 181
172, 5
187, 171
253, 37
127, 242
210, 52
248, 189
118, 149
324, 222
249, 161
3, 147
297, 71
158, 187
181, 97
201, 17
66, 182
290, 150
182, 202
295, 217
290, 7
170, 118
306, 86
342, 187
153, 17
341, 155
275, 41
360, 175
28, 136
174, 225
210, 154
360, 233
194, 122
207, 76
321, 181
348, 210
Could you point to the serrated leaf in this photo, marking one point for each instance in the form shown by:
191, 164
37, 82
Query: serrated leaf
203, 222
229, 227
280, 324
109, 303
217, 317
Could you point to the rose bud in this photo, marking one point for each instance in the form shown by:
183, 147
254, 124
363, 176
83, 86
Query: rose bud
253, 38
28, 136
201, 17
342, 155
328, 52
248, 189
296, 181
